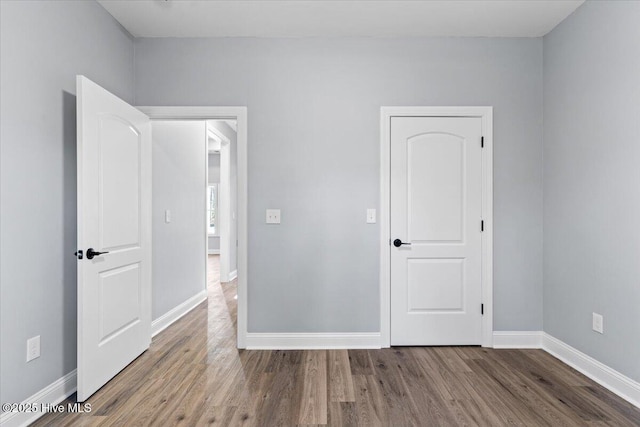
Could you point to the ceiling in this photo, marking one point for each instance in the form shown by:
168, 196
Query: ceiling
340, 18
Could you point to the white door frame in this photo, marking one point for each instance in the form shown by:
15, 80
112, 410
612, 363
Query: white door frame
239, 114
224, 201
486, 115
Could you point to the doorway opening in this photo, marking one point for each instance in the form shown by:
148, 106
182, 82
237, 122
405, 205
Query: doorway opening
224, 196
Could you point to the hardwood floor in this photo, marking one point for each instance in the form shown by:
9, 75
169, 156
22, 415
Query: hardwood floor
193, 375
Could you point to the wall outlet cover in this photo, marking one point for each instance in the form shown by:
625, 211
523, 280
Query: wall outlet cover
33, 348
273, 216
598, 323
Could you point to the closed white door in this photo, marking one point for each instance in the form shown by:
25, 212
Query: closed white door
114, 235
436, 240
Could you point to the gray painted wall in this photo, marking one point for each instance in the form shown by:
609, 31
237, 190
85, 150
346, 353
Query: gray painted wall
179, 161
43, 46
591, 182
314, 111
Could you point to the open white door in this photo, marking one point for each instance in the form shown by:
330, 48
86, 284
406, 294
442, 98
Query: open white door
114, 219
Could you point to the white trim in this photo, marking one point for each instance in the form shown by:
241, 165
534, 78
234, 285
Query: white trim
217, 191
206, 214
607, 377
167, 319
224, 210
52, 394
312, 341
241, 116
517, 339
194, 113
213, 251
233, 275
216, 134
486, 114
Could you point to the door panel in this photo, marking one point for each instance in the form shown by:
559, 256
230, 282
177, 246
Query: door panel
436, 207
435, 284
119, 182
114, 216
119, 300
436, 187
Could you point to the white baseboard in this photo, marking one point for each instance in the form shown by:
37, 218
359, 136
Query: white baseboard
233, 275
312, 341
213, 251
52, 394
607, 377
517, 339
164, 321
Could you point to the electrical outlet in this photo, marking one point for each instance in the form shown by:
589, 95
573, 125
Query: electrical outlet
598, 323
273, 216
33, 348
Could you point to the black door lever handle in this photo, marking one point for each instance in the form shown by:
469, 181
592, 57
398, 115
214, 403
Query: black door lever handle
91, 253
397, 243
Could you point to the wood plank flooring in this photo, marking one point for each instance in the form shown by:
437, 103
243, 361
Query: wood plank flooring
194, 376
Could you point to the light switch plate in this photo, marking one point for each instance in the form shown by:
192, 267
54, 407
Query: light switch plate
371, 216
273, 216
167, 216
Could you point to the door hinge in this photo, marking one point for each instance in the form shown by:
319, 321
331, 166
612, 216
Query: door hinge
482, 225
482, 309
482, 142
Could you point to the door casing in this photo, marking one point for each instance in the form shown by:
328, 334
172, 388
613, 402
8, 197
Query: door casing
485, 113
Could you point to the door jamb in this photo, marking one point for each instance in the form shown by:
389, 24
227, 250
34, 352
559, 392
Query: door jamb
486, 115
239, 114
224, 200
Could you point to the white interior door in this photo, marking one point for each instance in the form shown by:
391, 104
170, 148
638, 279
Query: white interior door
114, 217
436, 248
